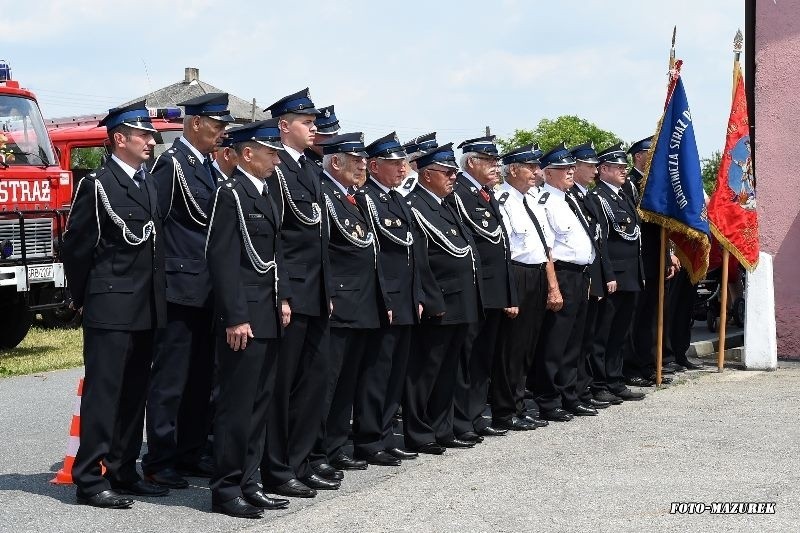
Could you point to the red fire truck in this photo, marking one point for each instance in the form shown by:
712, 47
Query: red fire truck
34, 199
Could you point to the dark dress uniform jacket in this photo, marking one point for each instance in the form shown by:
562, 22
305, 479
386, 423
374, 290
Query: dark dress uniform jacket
241, 294
600, 271
398, 262
184, 224
499, 289
120, 286
651, 233
624, 255
358, 300
305, 247
449, 283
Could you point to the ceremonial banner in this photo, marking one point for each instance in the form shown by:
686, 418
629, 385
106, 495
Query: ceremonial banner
732, 209
672, 189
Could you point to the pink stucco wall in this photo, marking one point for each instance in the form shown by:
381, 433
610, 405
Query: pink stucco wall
777, 123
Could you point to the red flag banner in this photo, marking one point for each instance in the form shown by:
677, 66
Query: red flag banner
732, 209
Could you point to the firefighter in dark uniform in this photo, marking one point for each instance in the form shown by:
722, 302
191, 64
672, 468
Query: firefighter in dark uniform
474, 201
114, 261
327, 125
574, 250
585, 172
296, 418
392, 222
620, 223
178, 415
451, 300
225, 159
357, 379
245, 262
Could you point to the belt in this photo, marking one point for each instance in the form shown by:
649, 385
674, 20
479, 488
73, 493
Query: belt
537, 266
565, 265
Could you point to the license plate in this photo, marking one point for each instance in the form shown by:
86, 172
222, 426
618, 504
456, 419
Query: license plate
40, 273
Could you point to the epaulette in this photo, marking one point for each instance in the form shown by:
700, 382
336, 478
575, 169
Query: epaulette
410, 183
543, 198
503, 198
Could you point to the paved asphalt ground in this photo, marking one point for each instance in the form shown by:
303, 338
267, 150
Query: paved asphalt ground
708, 437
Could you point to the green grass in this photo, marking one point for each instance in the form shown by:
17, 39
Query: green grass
43, 350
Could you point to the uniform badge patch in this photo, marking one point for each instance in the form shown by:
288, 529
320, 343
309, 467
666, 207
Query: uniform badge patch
254, 215
503, 198
359, 231
485, 223
453, 231
543, 198
387, 222
398, 222
190, 158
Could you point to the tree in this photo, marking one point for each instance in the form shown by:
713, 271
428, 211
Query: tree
709, 168
568, 128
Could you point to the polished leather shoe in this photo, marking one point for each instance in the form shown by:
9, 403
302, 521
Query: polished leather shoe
665, 380
108, 499
689, 365
319, 483
401, 454
583, 410
669, 368
431, 448
202, 468
513, 424
456, 443
345, 462
537, 422
637, 381
237, 507
294, 488
167, 478
556, 414
597, 404
490, 431
470, 436
382, 458
630, 396
326, 471
606, 396
140, 487
262, 501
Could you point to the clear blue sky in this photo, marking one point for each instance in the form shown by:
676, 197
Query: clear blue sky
413, 66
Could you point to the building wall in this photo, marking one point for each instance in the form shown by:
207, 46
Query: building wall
777, 157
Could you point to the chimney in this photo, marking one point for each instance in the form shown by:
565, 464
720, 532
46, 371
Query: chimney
191, 74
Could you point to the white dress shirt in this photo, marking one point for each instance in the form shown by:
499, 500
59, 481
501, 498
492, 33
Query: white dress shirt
194, 150
259, 184
524, 241
126, 168
571, 242
294, 154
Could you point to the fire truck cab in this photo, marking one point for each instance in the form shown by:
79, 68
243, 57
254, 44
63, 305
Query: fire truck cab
34, 199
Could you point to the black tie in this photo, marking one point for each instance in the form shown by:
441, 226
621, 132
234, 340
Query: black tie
210, 170
138, 177
572, 202
538, 227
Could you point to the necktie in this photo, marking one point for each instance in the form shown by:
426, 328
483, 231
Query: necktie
210, 170
301, 161
538, 227
351, 199
138, 177
484, 194
573, 205
265, 191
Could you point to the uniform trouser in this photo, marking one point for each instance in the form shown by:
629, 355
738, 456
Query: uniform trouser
430, 383
682, 295
297, 412
395, 343
117, 366
613, 322
517, 342
559, 347
357, 384
246, 380
474, 369
640, 361
178, 401
585, 360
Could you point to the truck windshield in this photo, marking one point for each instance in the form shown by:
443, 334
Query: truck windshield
23, 137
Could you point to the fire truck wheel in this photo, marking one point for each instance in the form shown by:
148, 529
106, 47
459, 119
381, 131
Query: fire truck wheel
15, 321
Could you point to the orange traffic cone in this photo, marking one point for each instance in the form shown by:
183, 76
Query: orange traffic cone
64, 476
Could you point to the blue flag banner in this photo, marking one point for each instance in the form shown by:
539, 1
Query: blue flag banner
672, 190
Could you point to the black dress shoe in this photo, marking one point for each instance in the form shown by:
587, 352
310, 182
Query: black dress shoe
556, 414
431, 448
294, 488
513, 424
202, 468
319, 483
597, 404
637, 381
490, 431
583, 410
669, 368
470, 436
139, 487
237, 507
537, 422
345, 462
665, 380
167, 478
382, 458
326, 471
456, 443
606, 396
630, 396
401, 454
108, 499
262, 501
689, 365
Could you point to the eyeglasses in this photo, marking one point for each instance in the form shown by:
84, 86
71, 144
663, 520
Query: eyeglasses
490, 160
447, 172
